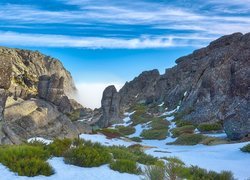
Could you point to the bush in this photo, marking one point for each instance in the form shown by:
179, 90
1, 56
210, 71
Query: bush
26, 160
246, 148
188, 139
86, 156
33, 167
213, 141
159, 123
136, 139
122, 153
154, 173
188, 129
205, 127
59, 147
154, 134
126, 130
74, 115
125, 166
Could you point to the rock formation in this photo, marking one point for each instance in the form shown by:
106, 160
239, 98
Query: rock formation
212, 84
35, 93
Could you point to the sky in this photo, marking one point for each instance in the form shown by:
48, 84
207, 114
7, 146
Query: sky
103, 42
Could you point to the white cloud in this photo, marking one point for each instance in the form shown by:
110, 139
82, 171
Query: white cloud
146, 41
90, 94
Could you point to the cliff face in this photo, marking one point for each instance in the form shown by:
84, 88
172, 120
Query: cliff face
35, 93
211, 85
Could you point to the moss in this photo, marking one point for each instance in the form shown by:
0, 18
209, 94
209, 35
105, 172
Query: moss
205, 127
246, 148
188, 139
188, 129
125, 166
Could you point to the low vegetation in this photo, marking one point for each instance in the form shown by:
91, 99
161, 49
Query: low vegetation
205, 127
158, 129
74, 115
59, 147
136, 139
174, 168
87, 156
246, 148
125, 130
110, 133
187, 129
26, 160
125, 166
188, 139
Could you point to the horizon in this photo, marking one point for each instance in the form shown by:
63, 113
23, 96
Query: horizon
108, 43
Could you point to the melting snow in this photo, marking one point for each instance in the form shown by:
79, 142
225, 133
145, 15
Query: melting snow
40, 139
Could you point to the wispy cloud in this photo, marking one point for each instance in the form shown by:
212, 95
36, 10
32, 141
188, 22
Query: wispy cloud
167, 23
146, 41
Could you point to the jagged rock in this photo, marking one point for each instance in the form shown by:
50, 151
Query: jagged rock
110, 107
211, 85
36, 117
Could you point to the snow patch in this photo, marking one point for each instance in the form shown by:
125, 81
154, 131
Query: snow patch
40, 139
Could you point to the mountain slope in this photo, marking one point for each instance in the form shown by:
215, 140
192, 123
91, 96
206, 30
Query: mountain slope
210, 85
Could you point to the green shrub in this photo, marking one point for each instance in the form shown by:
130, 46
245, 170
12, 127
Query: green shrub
188, 129
154, 134
246, 148
197, 173
205, 127
154, 173
33, 167
59, 147
136, 139
174, 168
125, 166
142, 157
188, 139
122, 153
86, 156
159, 123
26, 160
126, 130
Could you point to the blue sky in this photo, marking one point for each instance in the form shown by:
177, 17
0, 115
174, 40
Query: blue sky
109, 41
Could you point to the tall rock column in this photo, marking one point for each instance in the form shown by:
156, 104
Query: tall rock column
110, 107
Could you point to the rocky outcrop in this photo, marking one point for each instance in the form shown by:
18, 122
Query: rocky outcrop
110, 107
212, 84
35, 93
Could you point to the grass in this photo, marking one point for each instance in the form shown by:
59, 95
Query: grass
205, 127
125, 130
26, 160
187, 129
125, 166
188, 139
213, 141
246, 148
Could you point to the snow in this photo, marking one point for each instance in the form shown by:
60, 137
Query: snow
217, 135
40, 139
185, 93
65, 172
104, 141
139, 128
161, 104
